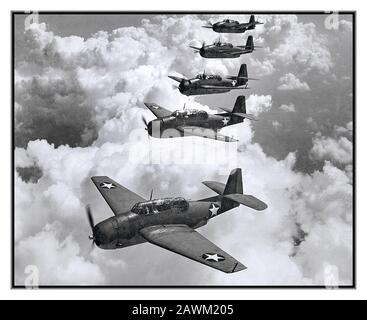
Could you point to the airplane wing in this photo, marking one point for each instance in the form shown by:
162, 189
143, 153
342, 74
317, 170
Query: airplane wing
157, 110
205, 133
119, 198
222, 88
178, 79
185, 241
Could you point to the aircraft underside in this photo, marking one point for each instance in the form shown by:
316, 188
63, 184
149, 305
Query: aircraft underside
198, 91
220, 55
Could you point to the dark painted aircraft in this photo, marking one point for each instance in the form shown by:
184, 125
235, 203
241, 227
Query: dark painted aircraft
233, 26
209, 84
183, 123
225, 50
170, 223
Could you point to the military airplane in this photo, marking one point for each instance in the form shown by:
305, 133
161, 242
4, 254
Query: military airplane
225, 50
170, 223
233, 26
186, 122
209, 84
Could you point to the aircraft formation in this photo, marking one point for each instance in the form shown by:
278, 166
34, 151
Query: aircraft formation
170, 223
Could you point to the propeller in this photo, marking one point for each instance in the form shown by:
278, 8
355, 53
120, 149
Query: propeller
91, 222
151, 195
145, 122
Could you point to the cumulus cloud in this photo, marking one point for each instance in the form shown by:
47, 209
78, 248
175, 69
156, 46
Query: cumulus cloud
257, 104
57, 258
78, 114
300, 44
290, 82
336, 150
262, 68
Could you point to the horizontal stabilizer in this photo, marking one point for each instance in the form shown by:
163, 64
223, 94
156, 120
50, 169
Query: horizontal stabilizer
246, 78
247, 200
217, 187
246, 116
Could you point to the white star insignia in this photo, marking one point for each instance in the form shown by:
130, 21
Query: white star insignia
213, 210
225, 121
155, 107
213, 257
107, 185
234, 82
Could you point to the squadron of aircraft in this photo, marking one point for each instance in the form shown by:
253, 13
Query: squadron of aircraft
170, 223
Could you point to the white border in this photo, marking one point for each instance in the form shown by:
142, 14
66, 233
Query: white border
7, 293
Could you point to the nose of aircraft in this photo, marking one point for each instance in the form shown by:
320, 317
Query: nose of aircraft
183, 85
103, 232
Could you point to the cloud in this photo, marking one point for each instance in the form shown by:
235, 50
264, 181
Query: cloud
58, 259
336, 150
79, 108
301, 45
287, 107
262, 68
290, 82
257, 104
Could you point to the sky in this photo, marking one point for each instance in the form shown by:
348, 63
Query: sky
80, 84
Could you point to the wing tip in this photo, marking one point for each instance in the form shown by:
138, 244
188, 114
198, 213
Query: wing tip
93, 178
238, 267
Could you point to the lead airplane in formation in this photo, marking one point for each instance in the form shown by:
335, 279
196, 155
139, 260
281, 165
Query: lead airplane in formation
189, 122
225, 50
170, 223
209, 84
233, 26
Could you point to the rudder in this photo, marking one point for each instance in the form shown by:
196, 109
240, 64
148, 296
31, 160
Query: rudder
242, 75
234, 183
250, 43
233, 186
240, 105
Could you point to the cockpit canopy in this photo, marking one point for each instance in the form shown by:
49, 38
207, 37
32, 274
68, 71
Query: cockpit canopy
190, 113
159, 205
222, 44
230, 21
203, 76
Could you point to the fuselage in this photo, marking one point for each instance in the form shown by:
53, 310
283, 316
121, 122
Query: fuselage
169, 127
206, 85
122, 230
231, 27
223, 51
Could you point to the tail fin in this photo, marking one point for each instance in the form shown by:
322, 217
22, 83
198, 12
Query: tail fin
231, 194
252, 19
240, 105
239, 111
250, 43
242, 77
234, 182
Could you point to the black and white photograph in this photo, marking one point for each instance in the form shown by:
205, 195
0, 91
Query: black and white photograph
183, 149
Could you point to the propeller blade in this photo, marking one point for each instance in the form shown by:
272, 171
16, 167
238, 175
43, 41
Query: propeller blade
195, 48
90, 217
151, 195
144, 121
